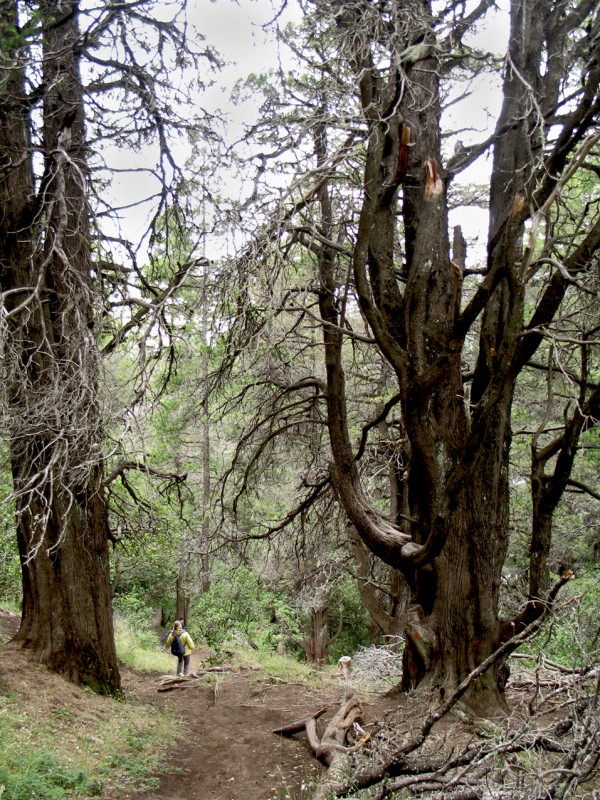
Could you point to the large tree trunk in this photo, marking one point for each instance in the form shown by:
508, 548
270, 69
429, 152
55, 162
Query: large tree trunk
67, 615
454, 548
53, 367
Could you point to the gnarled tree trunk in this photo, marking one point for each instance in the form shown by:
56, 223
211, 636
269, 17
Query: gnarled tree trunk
52, 362
452, 546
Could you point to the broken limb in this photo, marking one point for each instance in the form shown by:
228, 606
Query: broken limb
330, 747
299, 725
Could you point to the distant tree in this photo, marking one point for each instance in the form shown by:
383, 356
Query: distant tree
73, 83
362, 248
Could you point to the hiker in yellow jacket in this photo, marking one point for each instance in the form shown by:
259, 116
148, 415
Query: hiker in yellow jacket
183, 658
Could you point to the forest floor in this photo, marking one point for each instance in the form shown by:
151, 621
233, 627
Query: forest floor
227, 749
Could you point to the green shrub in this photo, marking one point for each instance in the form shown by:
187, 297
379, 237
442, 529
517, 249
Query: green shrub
138, 646
10, 563
355, 629
572, 635
239, 605
138, 615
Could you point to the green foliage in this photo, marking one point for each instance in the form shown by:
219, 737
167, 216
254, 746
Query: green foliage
10, 567
355, 629
42, 777
572, 635
240, 605
141, 653
137, 644
51, 756
138, 616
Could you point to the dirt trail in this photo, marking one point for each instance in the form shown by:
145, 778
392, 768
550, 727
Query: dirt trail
228, 750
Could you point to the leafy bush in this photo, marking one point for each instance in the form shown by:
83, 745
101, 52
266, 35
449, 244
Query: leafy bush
138, 645
10, 562
355, 628
572, 635
133, 608
240, 605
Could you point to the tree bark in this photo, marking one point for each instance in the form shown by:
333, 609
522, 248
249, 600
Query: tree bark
453, 550
316, 641
53, 363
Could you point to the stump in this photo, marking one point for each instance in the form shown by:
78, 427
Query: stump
343, 666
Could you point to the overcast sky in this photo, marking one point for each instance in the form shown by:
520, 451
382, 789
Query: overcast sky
239, 30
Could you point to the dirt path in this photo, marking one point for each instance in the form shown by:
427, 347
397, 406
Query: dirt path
228, 750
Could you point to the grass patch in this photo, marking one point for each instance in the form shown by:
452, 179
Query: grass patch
283, 668
39, 775
80, 748
139, 652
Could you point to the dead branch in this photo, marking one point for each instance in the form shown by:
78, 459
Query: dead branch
171, 688
191, 680
299, 725
330, 747
393, 763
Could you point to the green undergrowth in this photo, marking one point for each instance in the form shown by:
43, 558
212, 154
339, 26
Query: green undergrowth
41, 761
59, 741
571, 635
140, 651
281, 668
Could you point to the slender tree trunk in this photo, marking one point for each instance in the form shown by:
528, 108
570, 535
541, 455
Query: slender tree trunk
180, 601
205, 562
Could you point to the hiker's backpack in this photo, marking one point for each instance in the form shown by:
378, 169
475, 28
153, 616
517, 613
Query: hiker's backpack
177, 647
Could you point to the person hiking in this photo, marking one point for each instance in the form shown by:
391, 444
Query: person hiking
182, 648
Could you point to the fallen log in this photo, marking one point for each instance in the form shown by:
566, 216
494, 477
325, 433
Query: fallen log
174, 682
329, 748
170, 688
187, 679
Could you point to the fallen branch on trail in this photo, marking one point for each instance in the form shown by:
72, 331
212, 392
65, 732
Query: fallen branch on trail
171, 683
299, 725
218, 669
171, 688
330, 747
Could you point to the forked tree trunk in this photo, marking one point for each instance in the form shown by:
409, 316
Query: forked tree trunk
452, 551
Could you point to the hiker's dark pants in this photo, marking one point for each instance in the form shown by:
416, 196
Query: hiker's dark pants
183, 665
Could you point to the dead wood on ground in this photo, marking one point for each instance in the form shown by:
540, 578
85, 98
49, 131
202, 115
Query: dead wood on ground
299, 725
330, 747
191, 680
